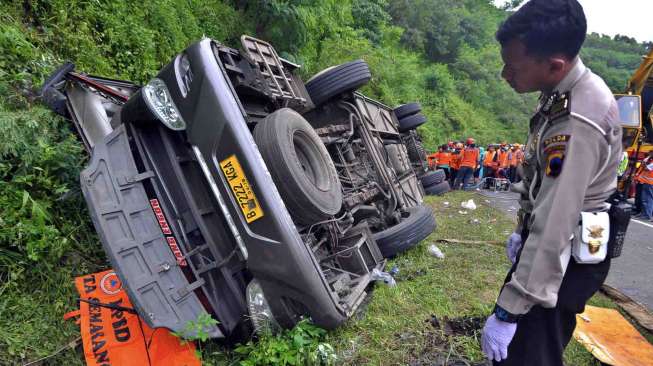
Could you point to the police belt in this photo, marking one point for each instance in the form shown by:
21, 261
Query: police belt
620, 212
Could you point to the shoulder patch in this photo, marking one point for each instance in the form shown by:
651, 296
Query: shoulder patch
558, 106
554, 161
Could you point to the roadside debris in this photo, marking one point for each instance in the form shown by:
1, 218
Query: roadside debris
470, 205
435, 251
637, 311
462, 212
384, 277
393, 272
456, 241
611, 338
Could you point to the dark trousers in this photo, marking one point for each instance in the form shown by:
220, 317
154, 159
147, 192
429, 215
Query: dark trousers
452, 176
463, 177
647, 200
542, 334
638, 197
488, 172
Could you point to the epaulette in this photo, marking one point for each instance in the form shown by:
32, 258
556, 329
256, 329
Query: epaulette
557, 106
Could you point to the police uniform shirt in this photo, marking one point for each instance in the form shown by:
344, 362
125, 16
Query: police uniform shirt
570, 165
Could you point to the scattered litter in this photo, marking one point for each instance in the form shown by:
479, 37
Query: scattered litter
385, 277
446, 203
470, 205
462, 212
456, 241
487, 201
475, 221
435, 251
512, 208
584, 317
393, 272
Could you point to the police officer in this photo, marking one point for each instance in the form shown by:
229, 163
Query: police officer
570, 165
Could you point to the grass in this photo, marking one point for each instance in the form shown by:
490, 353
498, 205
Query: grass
394, 328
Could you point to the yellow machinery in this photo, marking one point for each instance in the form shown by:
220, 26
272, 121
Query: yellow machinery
635, 110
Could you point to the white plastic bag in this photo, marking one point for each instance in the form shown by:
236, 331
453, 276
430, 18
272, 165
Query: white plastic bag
436, 252
470, 205
385, 277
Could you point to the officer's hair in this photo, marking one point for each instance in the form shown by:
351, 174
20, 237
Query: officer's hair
546, 27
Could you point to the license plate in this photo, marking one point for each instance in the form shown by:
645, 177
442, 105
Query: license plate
241, 189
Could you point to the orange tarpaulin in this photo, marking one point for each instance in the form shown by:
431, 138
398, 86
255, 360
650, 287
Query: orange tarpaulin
112, 333
611, 338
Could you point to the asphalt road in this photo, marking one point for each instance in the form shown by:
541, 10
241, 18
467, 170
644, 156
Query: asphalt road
632, 273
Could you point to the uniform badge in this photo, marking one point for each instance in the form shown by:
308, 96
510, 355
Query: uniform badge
557, 139
596, 231
558, 106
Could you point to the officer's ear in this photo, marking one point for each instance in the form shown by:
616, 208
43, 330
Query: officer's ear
558, 65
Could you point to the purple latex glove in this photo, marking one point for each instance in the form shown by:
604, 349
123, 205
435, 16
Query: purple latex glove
496, 337
512, 246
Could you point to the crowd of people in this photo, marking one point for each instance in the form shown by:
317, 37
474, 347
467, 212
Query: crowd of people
465, 164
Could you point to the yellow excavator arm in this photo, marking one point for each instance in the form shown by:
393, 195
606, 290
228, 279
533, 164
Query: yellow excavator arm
641, 76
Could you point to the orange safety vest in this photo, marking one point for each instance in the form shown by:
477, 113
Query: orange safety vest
432, 159
455, 160
444, 158
489, 156
503, 159
520, 156
469, 157
112, 334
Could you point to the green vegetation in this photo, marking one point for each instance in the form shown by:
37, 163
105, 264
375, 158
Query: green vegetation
436, 311
439, 53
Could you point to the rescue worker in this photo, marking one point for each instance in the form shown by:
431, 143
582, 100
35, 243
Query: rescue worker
454, 163
432, 159
645, 179
444, 159
478, 173
519, 156
570, 165
468, 160
503, 162
512, 164
488, 165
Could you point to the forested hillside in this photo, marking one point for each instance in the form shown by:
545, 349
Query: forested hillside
438, 52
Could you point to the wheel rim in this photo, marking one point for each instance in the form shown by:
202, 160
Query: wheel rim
310, 160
